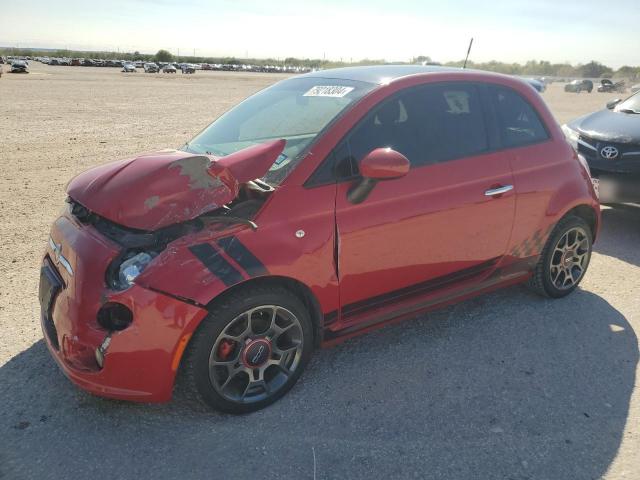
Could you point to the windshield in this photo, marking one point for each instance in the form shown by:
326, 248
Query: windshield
296, 110
630, 105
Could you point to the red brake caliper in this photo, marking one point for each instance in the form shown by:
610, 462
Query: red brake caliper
225, 349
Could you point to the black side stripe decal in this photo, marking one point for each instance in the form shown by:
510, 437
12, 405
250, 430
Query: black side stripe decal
330, 318
242, 256
216, 264
494, 278
416, 289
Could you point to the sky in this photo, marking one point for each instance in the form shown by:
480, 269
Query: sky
575, 31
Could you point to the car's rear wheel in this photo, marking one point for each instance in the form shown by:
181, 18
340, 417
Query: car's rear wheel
564, 259
250, 350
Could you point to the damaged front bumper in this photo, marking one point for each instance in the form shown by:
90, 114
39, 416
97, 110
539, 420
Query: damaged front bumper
138, 362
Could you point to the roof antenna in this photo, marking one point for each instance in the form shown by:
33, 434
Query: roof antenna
468, 52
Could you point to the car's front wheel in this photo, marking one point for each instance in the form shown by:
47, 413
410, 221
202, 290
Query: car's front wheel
564, 259
250, 350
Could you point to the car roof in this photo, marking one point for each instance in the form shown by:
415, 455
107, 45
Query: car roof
378, 74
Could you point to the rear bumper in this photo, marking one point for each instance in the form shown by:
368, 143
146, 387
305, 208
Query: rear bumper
140, 362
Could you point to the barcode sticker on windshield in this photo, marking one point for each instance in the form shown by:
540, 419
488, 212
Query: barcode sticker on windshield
328, 91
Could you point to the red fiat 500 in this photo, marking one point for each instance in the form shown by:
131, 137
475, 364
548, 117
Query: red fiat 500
326, 205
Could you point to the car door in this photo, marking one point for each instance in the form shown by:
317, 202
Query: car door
442, 223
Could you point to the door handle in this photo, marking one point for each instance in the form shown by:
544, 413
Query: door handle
498, 190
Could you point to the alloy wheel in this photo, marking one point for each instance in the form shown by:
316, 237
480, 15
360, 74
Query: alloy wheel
570, 258
256, 353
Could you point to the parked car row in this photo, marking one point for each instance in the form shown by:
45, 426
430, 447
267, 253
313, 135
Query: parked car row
256, 68
80, 62
10, 59
185, 67
585, 85
151, 67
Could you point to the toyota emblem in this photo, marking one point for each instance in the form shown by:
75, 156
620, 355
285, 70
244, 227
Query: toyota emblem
609, 152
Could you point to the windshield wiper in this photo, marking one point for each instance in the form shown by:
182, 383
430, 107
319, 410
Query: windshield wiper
628, 110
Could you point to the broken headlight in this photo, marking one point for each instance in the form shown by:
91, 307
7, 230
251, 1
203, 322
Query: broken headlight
133, 265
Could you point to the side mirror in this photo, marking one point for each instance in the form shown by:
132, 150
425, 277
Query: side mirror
612, 103
379, 164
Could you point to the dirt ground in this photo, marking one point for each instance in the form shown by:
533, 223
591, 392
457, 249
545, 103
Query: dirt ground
504, 386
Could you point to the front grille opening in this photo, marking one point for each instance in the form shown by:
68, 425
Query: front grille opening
591, 148
50, 285
50, 330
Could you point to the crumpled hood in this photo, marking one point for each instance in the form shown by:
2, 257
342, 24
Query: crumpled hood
155, 190
607, 125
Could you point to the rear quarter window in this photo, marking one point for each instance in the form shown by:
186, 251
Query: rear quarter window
518, 122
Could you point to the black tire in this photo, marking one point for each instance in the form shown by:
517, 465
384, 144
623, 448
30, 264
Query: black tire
195, 371
541, 281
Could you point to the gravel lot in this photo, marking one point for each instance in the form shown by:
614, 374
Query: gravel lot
507, 385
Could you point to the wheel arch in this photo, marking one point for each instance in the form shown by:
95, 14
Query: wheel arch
575, 196
302, 291
588, 214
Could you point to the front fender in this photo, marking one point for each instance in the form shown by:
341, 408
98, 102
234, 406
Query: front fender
201, 266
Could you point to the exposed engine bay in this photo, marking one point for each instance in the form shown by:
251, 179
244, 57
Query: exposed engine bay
139, 247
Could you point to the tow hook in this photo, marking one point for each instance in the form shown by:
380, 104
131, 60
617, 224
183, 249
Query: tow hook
101, 351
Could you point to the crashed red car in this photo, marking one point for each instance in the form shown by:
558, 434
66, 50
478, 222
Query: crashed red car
321, 207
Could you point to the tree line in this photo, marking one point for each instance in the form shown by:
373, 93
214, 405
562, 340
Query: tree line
544, 68
593, 69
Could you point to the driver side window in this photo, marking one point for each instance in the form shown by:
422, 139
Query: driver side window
428, 124
388, 125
